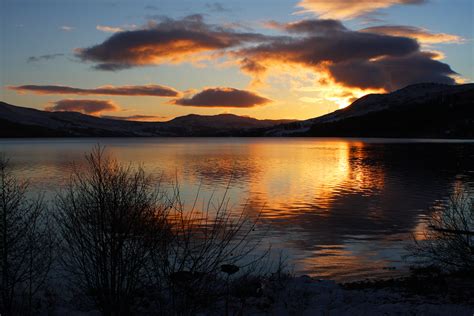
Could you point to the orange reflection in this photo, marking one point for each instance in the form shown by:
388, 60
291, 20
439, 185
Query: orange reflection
320, 171
341, 206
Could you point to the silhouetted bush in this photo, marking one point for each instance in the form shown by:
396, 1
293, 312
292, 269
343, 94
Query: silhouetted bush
131, 247
188, 270
26, 244
448, 241
111, 219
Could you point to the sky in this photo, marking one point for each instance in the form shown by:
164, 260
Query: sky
268, 59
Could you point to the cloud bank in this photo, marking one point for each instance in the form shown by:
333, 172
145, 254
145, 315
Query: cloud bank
349, 62
364, 60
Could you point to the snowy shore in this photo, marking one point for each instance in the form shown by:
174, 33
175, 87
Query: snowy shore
308, 296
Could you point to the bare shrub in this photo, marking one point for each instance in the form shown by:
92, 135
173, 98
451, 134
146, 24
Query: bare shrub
26, 244
132, 247
111, 217
448, 241
192, 267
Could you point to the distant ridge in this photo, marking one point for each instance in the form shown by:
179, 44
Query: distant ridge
425, 110
18, 121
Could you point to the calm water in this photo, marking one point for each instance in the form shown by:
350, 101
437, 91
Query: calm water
339, 208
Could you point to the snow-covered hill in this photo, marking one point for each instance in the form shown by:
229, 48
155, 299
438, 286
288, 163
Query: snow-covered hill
411, 99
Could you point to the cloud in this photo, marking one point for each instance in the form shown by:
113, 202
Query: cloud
311, 51
216, 7
391, 73
109, 29
34, 59
92, 107
144, 90
353, 59
422, 35
223, 97
320, 26
115, 29
349, 9
136, 118
343, 62
168, 41
67, 28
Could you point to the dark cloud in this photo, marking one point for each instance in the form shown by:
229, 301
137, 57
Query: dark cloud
92, 107
391, 73
223, 97
144, 90
253, 68
323, 46
33, 59
137, 118
357, 59
336, 47
165, 41
415, 68
360, 73
309, 26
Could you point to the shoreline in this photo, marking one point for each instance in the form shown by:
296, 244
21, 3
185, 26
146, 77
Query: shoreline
304, 295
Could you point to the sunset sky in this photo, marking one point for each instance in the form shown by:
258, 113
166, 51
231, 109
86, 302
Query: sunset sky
155, 60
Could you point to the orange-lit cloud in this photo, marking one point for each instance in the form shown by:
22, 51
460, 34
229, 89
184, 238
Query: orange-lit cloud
351, 63
92, 107
143, 90
349, 9
422, 35
169, 41
352, 59
223, 97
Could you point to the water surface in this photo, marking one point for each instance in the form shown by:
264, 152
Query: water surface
339, 208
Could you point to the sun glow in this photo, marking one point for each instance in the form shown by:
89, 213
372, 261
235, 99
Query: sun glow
343, 96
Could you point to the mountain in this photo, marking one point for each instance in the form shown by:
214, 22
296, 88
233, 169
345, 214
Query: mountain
425, 110
223, 121
18, 121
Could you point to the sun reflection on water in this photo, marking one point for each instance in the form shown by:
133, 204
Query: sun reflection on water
340, 208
